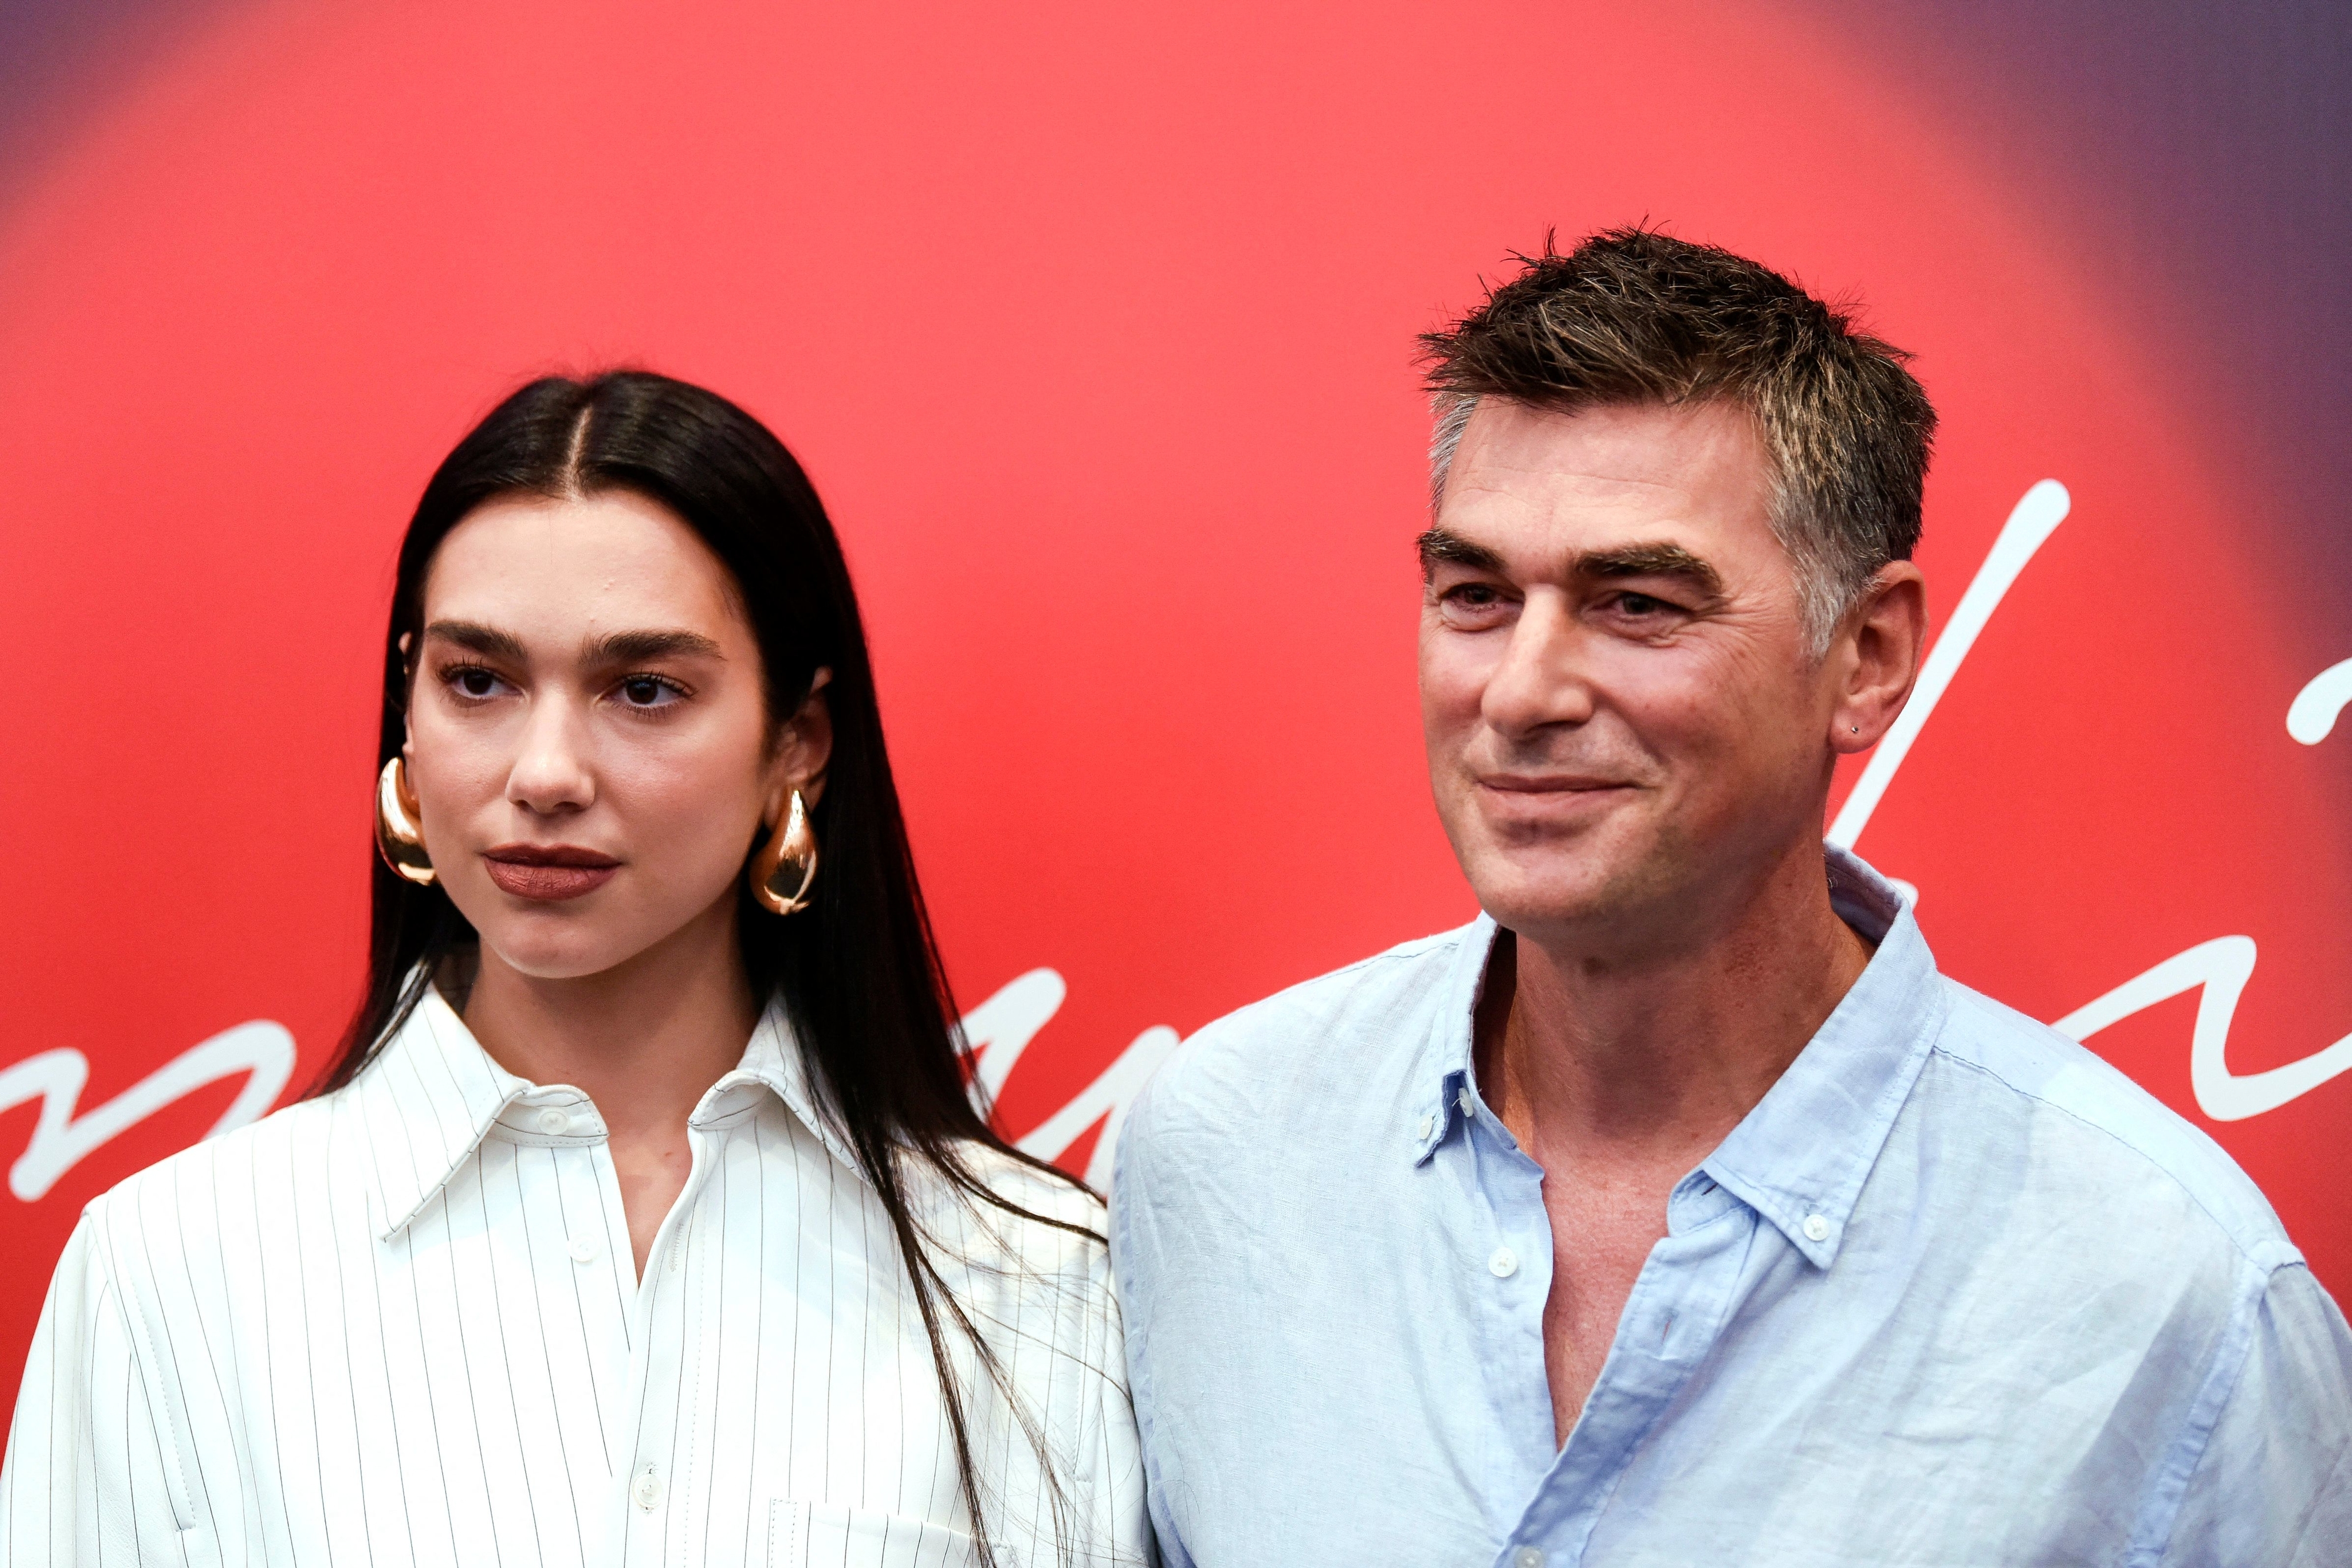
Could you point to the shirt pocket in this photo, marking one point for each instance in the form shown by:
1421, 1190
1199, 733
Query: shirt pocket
827, 1535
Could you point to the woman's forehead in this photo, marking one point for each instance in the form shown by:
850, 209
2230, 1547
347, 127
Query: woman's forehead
573, 567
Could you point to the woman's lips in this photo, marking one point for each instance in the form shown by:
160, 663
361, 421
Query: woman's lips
549, 874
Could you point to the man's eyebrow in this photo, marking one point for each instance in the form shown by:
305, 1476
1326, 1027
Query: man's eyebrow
632, 647
1440, 546
487, 641
1650, 561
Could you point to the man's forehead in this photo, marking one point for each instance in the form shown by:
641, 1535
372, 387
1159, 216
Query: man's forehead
1610, 451
1537, 482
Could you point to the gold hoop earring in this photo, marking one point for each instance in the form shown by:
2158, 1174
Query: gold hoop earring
788, 860
398, 837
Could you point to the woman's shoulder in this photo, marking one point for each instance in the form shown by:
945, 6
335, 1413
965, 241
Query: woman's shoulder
253, 1179
1044, 1220
1042, 1189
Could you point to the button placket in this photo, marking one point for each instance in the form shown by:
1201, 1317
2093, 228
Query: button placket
671, 1317
1691, 1279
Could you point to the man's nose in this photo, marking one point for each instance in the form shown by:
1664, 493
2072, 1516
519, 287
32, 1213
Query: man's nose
1540, 680
551, 772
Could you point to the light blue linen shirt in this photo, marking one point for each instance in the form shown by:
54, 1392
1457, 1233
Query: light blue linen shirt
1954, 1292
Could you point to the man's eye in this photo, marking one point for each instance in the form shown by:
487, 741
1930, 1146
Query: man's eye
1472, 596
1641, 604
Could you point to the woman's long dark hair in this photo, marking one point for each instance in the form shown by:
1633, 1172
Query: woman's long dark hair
858, 972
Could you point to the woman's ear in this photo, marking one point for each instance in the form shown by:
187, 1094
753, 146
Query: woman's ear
407, 726
803, 747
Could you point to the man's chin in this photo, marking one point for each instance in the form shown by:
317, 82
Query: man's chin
1533, 905
1613, 884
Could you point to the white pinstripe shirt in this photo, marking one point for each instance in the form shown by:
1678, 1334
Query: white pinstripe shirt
400, 1325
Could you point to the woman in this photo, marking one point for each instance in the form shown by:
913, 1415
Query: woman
644, 1217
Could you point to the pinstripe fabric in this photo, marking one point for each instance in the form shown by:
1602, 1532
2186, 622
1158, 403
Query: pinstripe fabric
399, 1325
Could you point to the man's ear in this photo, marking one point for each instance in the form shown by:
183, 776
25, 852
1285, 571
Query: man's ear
803, 748
1878, 653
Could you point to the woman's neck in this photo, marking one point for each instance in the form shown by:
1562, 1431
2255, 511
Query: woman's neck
643, 1039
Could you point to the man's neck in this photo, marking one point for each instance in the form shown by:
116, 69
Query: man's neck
645, 1039
1651, 1054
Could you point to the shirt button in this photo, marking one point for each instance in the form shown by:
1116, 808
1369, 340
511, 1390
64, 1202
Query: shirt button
646, 1488
553, 1121
1468, 1102
1428, 1125
583, 1250
1502, 1265
1527, 1557
1816, 1227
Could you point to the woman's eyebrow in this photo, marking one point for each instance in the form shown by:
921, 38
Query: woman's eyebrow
487, 641
627, 647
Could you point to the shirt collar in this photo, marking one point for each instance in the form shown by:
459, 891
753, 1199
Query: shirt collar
1447, 1071
435, 1083
1801, 1156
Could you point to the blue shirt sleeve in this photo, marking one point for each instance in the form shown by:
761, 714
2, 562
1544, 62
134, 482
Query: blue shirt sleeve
2273, 1484
1135, 1266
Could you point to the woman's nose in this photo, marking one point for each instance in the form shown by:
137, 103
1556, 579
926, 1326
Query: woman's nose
552, 771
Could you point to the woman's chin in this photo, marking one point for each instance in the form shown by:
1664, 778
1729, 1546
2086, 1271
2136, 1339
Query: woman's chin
533, 956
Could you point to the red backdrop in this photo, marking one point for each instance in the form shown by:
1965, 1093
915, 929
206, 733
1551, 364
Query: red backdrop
1093, 325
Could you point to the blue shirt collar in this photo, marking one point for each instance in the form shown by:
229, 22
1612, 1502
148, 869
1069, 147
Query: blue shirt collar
1801, 1156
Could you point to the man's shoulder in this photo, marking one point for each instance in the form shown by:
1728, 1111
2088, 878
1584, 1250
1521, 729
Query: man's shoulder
1258, 1061
2122, 1146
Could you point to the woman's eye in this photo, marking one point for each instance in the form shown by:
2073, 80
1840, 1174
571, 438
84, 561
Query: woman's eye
649, 691
472, 681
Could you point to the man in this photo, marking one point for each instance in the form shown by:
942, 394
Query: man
1678, 1211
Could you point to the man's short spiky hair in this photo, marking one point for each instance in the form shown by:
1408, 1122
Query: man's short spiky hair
1634, 315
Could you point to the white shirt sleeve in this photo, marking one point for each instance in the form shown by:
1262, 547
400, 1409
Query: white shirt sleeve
88, 1477
2273, 1484
1114, 1502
